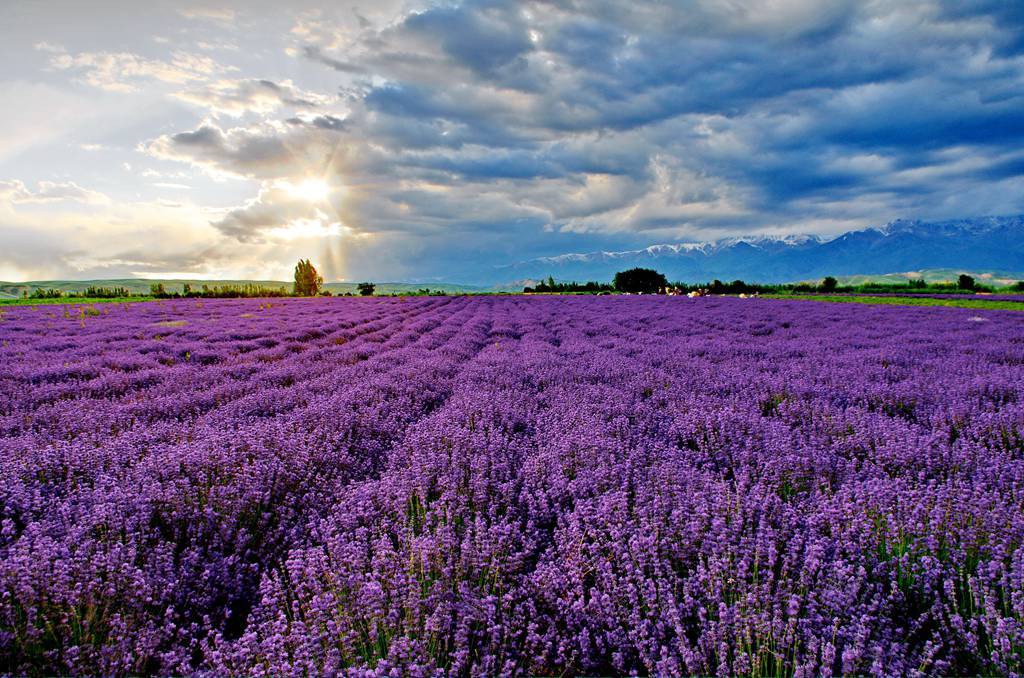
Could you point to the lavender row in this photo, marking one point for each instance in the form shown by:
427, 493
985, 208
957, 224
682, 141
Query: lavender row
512, 485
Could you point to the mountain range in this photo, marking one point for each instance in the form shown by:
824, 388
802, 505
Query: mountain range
985, 243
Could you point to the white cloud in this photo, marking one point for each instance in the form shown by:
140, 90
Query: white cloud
238, 97
214, 46
16, 192
224, 14
282, 210
53, 48
123, 71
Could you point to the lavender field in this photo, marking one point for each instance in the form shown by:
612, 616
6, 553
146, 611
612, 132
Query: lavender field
511, 485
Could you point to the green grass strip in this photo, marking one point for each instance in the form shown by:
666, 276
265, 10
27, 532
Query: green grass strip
981, 304
72, 300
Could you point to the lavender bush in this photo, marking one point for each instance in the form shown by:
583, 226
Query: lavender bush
511, 485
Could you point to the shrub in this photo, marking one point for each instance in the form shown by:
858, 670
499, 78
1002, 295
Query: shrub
645, 280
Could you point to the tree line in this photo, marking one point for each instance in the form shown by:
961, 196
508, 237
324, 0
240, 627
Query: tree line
650, 281
309, 283
90, 292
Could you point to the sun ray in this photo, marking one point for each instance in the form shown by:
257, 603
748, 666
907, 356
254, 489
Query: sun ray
310, 190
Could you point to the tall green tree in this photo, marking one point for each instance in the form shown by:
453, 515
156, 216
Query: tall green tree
307, 280
644, 280
366, 289
965, 282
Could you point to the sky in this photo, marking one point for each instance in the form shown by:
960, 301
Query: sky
429, 141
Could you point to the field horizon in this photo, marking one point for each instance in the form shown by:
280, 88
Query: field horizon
141, 286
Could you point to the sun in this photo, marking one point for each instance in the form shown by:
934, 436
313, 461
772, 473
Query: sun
310, 190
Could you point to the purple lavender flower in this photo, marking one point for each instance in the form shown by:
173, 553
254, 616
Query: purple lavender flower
511, 485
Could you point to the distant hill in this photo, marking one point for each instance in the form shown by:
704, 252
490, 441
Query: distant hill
141, 286
994, 245
137, 286
936, 275
398, 287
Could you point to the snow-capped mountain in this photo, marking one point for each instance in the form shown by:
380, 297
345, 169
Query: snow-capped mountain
986, 243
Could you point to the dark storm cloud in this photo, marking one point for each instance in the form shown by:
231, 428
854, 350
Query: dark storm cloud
485, 37
1005, 169
259, 152
659, 65
484, 113
206, 138
327, 122
314, 53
